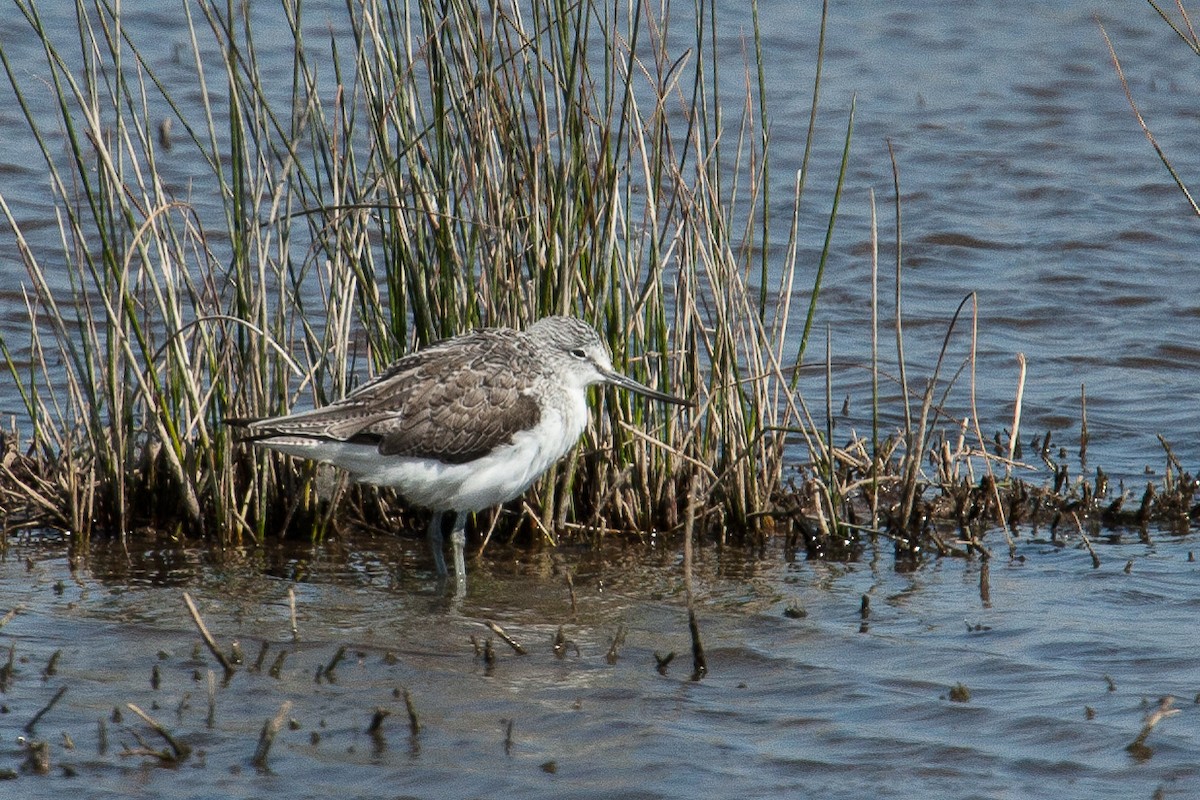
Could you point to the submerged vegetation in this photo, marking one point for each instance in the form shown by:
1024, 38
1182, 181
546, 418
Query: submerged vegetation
458, 167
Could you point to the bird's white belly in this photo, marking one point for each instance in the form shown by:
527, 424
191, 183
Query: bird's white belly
499, 476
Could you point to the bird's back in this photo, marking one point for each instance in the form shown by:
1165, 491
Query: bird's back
453, 401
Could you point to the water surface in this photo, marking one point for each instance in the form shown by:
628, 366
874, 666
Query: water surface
804, 696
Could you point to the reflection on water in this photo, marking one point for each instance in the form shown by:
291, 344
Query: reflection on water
804, 696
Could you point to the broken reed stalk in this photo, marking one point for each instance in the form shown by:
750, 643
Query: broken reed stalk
1083, 426
292, 613
207, 637
1162, 156
29, 726
614, 647
179, 750
1163, 710
874, 363
992, 487
1015, 436
327, 670
414, 722
375, 728
270, 730
514, 644
211, 719
1086, 541
699, 662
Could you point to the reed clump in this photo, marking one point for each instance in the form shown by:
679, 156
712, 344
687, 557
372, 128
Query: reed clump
245, 245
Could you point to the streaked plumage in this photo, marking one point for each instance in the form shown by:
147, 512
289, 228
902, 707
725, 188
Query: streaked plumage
463, 424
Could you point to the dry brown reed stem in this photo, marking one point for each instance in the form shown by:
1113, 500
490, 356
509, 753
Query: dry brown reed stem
270, 730
1086, 541
292, 613
998, 504
1162, 156
874, 473
207, 637
179, 750
511, 642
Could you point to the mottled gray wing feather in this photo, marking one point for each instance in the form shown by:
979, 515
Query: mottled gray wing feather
455, 401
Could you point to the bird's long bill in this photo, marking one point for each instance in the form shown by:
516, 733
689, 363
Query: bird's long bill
625, 382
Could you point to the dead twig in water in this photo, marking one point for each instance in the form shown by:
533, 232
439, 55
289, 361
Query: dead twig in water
29, 726
7, 618
327, 672
37, 757
179, 750
561, 644
516, 646
1086, 541
292, 610
267, 737
1138, 747
615, 647
207, 637
211, 719
6, 671
699, 662
414, 723
376, 726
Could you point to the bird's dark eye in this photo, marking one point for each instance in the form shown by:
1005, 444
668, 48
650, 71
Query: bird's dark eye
579, 352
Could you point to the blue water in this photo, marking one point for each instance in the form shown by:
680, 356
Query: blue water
1062, 662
